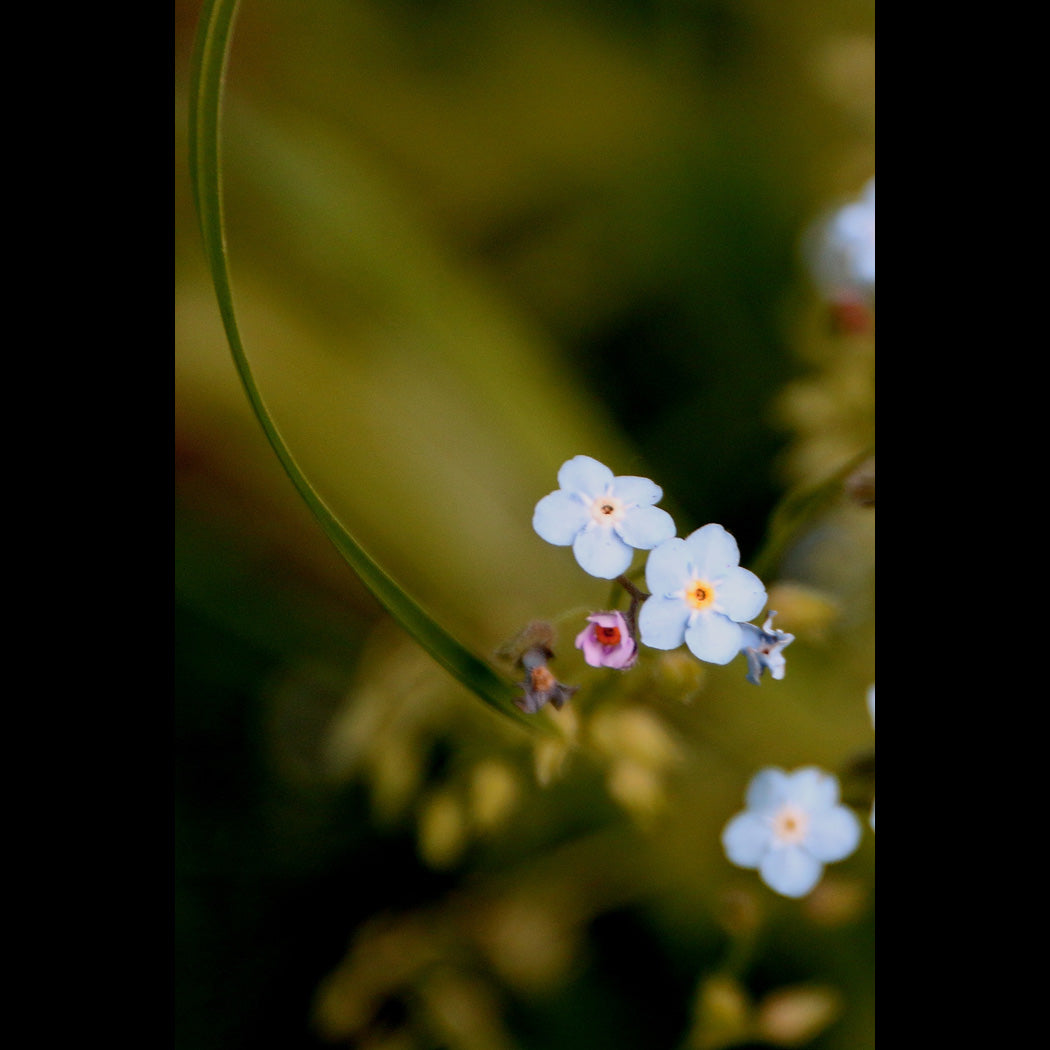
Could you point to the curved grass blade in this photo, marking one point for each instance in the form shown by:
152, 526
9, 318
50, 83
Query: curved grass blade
207, 75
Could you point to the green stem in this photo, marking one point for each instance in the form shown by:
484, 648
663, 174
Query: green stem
210, 57
796, 510
637, 597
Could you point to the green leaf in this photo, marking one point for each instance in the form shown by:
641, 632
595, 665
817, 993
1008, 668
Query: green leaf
798, 508
208, 70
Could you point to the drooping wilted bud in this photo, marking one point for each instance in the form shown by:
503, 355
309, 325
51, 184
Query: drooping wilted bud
540, 685
537, 634
531, 650
763, 646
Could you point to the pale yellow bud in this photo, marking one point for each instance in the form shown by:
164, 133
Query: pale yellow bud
442, 830
463, 1010
633, 733
637, 788
836, 900
394, 778
530, 942
550, 756
722, 1013
567, 720
678, 675
794, 1016
386, 954
494, 792
803, 611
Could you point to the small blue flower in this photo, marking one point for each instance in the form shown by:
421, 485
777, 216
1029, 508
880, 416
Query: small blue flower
700, 595
763, 646
793, 825
604, 518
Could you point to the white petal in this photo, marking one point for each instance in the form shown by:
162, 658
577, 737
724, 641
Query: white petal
833, 834
601, 552
790, 871
646, 527
741, 595
559, 517
712, 551
661, 622
714, 638
750, 635
813, 789
768, 790
640, 492
585, 475
667, 569
746, 839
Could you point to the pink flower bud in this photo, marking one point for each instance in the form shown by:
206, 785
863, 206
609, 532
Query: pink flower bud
607, 641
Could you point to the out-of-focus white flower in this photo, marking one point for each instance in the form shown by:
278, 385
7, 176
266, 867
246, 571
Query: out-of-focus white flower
840, 249
793, 825
871, 711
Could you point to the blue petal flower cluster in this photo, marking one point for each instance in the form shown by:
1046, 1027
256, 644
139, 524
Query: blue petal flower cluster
701, 597
700, 594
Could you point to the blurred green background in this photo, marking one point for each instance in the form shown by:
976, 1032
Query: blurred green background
467, 242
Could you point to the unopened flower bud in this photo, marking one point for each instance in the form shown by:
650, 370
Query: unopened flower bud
606, 641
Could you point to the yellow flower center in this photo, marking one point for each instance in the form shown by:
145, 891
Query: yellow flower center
700, 594
790, 824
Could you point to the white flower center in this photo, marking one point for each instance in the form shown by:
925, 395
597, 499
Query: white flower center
790, 824
607, 511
